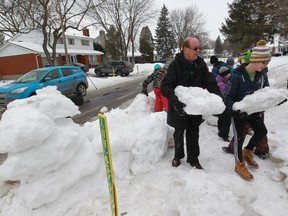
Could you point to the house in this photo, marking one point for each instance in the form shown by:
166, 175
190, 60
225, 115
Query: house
279, 46
24, 52
137, 56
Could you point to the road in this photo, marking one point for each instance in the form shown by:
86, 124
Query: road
111, 97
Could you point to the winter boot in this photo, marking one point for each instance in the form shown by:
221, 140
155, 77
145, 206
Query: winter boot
176, 162
241, 169
228, 150
248, 157
196, 165
263, 156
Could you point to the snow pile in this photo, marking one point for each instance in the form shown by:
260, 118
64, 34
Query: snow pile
49, 102
265, 99
46, 151
197, 100
129, 138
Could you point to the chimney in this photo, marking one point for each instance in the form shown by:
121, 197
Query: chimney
85, 32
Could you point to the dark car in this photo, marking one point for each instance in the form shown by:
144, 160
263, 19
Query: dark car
83, 67
68, 79
119, 68
166, 64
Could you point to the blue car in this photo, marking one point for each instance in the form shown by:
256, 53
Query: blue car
68, 79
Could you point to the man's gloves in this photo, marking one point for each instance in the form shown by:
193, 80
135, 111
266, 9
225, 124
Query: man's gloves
238, 114
144, 91
178, 106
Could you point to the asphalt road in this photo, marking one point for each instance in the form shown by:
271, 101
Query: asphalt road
111, 97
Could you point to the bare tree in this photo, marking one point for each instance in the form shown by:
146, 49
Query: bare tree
13, 17
139, 11
53, 17
2, 39
127, 16
187, 22
56, 17
110, 14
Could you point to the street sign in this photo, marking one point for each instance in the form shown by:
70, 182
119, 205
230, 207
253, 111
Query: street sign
108, 163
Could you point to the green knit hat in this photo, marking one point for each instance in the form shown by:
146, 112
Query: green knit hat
246, 56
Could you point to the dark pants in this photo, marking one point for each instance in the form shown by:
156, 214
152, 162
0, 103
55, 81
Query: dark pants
262, 147
258, 127
224, 123
192, 141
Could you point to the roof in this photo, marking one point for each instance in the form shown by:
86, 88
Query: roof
38, 49
136, 54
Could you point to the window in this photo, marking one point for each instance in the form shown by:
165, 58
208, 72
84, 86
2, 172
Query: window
67, 72
85, 42
109, 64
71, 41
54, 74
75, 70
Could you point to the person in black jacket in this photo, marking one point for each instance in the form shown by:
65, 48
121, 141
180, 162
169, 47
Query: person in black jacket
188, 70
247, 78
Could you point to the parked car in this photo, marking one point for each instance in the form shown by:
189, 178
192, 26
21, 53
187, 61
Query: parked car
84, 67
118, 68
68, 79
166, 64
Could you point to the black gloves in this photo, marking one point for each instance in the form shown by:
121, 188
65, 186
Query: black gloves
239, 115
178, 106
144, 91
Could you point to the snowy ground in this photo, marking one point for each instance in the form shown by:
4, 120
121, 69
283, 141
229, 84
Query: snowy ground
62, 171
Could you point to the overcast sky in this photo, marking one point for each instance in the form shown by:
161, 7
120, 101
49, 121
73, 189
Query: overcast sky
214, 12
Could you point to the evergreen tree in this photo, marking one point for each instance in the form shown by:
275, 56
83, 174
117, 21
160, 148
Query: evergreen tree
113, 43
146, 44
218, 47
98, 47
247, 23
165, 39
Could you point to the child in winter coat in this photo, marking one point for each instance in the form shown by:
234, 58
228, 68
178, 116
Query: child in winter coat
224, 120
262, 149
230, 64
216, 65
247, 78
157, 77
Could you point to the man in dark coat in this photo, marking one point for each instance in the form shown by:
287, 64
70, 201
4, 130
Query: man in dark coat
188, 70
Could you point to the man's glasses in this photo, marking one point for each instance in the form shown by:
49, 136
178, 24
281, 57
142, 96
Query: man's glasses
194, 48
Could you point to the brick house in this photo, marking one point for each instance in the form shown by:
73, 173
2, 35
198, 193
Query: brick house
24, 52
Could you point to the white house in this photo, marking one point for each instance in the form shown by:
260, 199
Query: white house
24, 52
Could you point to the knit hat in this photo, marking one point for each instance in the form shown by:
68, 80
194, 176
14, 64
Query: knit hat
260, 53
246, 57
230, 61
156, 67
213, 59
224, 71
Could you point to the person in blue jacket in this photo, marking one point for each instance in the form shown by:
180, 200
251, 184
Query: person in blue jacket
216, 65
246, 79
